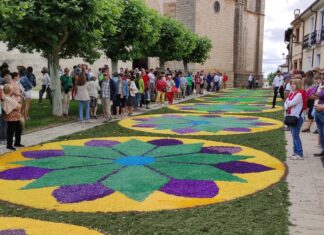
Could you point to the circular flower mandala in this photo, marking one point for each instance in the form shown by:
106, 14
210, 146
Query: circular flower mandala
22, 226
200, 124
134, 174
225, 108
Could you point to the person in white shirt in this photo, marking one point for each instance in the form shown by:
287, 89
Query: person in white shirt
250, 81
46, 82
277, 86
294, 107
130, 102
152, 84
93, 89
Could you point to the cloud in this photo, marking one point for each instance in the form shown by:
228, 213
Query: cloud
279, 15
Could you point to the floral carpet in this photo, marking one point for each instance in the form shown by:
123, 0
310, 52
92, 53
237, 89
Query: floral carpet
238, 99
22, 226
200, 124
224, 108
134, 174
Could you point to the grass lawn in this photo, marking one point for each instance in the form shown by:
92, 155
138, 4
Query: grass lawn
263, 213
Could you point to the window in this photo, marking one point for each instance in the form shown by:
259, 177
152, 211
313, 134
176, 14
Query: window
297, 34
300, 64
318, 60
309, 63
312, 24
296, 64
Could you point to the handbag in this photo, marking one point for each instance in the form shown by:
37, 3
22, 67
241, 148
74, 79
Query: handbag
291, 120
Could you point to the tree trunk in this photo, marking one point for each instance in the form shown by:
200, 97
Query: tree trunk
114, 66
162, 64
185, 66
55, 86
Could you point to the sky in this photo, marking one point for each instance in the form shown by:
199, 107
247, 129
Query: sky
279, 15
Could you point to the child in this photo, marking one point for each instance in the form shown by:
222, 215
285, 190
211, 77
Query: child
12, 116
93, 89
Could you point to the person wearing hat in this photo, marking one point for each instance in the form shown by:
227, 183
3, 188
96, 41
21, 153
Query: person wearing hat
46, 82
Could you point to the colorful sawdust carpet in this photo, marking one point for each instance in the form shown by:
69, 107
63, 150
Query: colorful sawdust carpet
24, 226
134, 174
225, 108
200, 124
238, 99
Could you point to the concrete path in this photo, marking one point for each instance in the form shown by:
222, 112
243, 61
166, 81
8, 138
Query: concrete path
306, 185
48, 134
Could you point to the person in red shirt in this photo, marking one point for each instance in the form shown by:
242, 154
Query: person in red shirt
225, 79
161, 90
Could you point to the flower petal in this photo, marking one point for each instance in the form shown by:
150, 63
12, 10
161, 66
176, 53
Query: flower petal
13, 232
23, 173
63, 162
194, 172
175, 150
94, 152
134, 147
202, 158
136, 182
80, 193
101, 143
165, 142
42, 153
191, 188
74, 176
242, 167
185, 130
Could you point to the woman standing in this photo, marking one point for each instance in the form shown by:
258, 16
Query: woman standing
169, 89
131, 98
122, 95
197, 83
12, 116
319, 117
82, 95
46, 82
161, 89
94, 88
294, 107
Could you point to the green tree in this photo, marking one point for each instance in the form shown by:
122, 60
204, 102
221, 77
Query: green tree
59, 29
200, 52
271, 77
137, 28
172, 42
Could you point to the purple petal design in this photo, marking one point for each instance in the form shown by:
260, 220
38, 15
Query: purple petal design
191, 188
146, 125
248, 119
238, 129
13, 232
242, 167
262, 124
221, 150
23, 173
80, 193
165, 142
101, 143
185, 131
38, 154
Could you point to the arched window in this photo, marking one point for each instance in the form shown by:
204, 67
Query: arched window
217, 6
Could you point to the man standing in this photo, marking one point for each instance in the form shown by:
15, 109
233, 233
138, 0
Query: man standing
108, 91
277, 87
216, 81
66, 87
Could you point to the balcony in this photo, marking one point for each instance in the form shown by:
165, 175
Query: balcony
313, 38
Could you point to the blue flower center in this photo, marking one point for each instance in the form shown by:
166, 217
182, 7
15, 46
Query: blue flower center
135, 161
199, 122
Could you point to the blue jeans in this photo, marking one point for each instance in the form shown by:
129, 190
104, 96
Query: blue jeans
319, 119
87, 107
138, 98
295, 131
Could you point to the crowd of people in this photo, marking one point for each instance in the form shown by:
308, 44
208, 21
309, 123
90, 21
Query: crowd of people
303, 95
120, 93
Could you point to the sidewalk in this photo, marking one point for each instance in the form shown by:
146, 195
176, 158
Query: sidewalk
306, 185
48, 134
